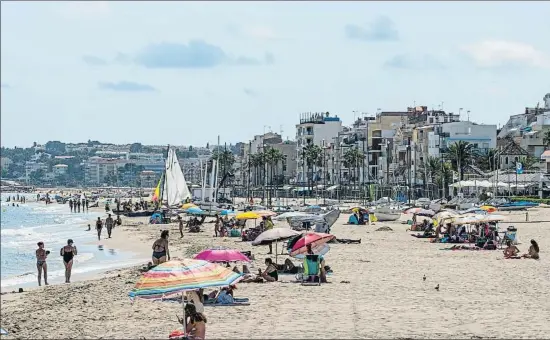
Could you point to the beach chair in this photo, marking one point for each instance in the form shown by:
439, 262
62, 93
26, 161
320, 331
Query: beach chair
312, 271
509, 235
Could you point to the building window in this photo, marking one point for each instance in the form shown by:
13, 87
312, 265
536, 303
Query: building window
506, 161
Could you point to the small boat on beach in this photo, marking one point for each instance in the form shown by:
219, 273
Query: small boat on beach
387, 213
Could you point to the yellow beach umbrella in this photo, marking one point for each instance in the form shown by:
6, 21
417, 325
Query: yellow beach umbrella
188, 205
488, 208
248, 216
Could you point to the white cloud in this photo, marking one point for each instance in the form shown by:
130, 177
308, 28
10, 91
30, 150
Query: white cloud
495, 53
85, 9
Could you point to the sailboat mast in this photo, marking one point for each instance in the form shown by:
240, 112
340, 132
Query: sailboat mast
165, 185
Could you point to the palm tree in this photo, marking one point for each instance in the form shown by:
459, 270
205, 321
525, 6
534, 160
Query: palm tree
272, 158
445, 177
461, 153
488, 160
312, 154
431, 169
546, 138
352, 159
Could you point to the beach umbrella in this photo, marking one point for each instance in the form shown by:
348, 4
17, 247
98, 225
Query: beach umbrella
413, 210
179, 276
265, 213
188, 205
310, 239
420, 211
444, 215
321, 250
488, 208
274, 235
194, 211
290, 214
468, 219
227, 212
248, 216
221, 255
312, 208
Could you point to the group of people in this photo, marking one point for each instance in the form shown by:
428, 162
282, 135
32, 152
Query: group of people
129, 206
75, 204
512, 252
68, 252
16, 198
110, 224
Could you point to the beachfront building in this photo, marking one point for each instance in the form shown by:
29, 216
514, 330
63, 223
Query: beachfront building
32, 166
314, 129
60, 169
96, 169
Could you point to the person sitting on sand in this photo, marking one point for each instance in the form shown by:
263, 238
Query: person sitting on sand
160, 249
225, 297
511, 251
270, 273
288, 267
196, 322
41, 265
533, 251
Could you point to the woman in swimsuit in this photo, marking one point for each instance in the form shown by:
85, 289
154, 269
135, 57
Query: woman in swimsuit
270, 273
41, 265
160, 249
196, 322
68, 252
533, 251
511, 251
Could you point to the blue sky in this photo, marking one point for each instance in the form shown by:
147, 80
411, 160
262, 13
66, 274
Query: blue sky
184, 72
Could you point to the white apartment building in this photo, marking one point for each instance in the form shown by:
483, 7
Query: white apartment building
60, 169
31, 167
97, 168
482, 136
314, 128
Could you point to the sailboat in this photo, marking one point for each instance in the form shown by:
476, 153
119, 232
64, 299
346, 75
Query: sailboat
174, 189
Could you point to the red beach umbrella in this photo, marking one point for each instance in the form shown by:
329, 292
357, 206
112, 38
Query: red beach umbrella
313, 239
222, 255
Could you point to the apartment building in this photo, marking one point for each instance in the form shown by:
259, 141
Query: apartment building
32, 166
97, 168
314, 129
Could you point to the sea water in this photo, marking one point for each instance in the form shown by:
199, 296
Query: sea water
23, 226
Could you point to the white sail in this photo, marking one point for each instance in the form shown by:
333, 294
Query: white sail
175, 186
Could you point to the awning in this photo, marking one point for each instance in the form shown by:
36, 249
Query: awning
545, 155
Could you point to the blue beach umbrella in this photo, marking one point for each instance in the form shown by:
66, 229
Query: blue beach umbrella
194, 210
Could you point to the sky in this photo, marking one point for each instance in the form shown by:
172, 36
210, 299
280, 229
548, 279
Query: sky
182, 73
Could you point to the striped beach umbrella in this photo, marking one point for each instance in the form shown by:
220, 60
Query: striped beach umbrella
178, 276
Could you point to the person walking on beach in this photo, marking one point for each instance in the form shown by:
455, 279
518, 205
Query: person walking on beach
41, 265
180, 222
78, 205
87, 204
71, 204
109, 223
99, 227
68, 252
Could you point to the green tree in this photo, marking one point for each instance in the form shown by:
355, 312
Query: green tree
546, 138
36, 177
353, 159
136, 147
461, 154
488, 160
312, 154
273, 157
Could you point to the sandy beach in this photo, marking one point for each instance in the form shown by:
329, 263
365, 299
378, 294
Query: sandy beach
376, 291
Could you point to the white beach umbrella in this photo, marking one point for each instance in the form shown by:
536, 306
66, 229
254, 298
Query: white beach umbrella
274, 235
290, 214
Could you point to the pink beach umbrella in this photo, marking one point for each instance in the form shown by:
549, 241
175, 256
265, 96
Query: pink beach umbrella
221, 255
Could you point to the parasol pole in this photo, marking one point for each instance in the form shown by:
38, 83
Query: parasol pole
183, 303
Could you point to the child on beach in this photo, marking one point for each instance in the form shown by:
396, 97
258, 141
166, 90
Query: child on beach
41, 265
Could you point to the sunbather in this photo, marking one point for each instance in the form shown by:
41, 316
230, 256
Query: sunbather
288, 267
225, 297
270, 273
347, 240
196, 322
533, 251
511, 251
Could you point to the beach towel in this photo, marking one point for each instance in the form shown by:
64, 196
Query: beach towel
236, 302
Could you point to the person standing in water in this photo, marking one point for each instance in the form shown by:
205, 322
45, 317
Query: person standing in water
41, 265
87, 204
109, 223
71, 204
68, 252
78, 204
99, 227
